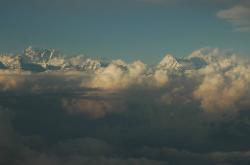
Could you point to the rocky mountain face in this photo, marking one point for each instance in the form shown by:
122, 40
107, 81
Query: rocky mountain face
169, 63
41, 60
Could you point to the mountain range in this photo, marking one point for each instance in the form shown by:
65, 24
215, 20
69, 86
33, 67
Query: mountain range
46, 60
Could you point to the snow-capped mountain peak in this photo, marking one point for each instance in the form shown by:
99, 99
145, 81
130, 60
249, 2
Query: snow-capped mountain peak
169, 63
39, 55
39, 60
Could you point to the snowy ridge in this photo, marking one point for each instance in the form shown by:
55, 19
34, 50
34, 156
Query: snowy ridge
169, 63
41, 60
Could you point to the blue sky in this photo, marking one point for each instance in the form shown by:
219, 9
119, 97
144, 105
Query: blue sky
129, 30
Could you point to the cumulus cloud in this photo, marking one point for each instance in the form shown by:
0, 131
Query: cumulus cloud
225, 83
118, 74
238, 16
216, 78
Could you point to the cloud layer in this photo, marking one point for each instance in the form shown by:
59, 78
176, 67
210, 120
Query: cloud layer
219, 79
58, 109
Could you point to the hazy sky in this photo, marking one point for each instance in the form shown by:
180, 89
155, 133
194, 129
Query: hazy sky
131, 29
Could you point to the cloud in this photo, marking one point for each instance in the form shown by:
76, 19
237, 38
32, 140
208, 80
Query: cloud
93, 112
10, 144
94, 108
79, 160
189, 157
216, 78
11, 80
7, 132
83, 146
238, 16
193, 110
224, 85
118, 74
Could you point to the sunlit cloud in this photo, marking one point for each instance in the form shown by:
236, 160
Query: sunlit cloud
95, 111
217, 78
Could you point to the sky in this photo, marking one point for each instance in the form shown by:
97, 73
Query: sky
130, 30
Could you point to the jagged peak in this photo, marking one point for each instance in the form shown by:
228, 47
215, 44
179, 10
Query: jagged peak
40, 54
169, 62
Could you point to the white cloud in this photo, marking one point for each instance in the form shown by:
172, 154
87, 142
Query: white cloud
119, 74
238, 16
225, 84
